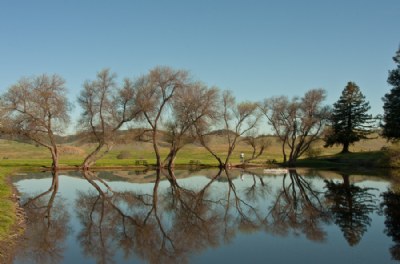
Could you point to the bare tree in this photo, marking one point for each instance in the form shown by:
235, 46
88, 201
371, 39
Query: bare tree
258, 145
193, 105
154, 93
237, 118
37, 108
106, 107
298, 122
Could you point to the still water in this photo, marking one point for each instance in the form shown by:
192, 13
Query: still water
208, 216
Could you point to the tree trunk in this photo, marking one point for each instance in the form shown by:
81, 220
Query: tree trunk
171, 161
346, 181
283, 152
291, 163
89, 160
157, 152
345, 147
228, 156
54, 156
203, 143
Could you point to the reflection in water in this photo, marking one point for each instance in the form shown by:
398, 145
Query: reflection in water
391, 209
47, 226
179, 218
299, 207
351, 206
140, 224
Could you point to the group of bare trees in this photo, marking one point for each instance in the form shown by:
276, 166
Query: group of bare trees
163, 99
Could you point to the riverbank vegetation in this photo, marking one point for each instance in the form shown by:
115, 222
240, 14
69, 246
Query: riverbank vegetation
140, 153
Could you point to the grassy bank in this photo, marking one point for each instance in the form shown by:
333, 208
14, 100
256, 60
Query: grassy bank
372, 159
22, 156
7, 205
16, 154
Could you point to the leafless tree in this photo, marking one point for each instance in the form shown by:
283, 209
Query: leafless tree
193, 105
298, 122
106, 107
237, 119
155, 91
37, 108
258, 145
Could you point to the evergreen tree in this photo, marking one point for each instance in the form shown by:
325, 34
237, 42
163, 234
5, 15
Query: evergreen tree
349, 121
391, 106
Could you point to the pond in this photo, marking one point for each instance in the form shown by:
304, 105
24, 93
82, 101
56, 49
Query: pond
208, 216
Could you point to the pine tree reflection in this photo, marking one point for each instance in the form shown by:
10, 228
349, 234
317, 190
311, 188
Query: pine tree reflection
350, 206
47, 226
298, 208
390, 208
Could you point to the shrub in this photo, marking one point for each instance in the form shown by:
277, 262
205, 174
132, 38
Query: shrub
313, 152
391, 157
124, 155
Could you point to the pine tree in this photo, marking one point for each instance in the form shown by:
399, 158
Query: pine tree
349, 121
391, 106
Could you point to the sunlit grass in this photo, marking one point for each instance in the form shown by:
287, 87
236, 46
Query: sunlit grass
7, 207
27, 156
16, 154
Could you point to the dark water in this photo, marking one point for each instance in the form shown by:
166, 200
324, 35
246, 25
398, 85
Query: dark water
208, 217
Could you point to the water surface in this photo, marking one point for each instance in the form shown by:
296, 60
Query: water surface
208, 217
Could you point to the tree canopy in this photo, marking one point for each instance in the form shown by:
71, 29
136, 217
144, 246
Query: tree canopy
350, 121
297, 123
37, 109
391, 106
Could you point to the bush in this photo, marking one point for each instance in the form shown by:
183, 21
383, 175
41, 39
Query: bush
124, 155
313, 152
391, 157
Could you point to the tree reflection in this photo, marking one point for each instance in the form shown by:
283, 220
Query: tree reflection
390, 208
160, 227
350, 206
246, 216
258, 188
47, 226
172, 221
104, 220
297, 206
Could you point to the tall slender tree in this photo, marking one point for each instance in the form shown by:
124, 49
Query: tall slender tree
350, 121
391, 106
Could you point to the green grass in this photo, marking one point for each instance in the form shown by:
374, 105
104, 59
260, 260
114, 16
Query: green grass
15, 154
7, 207
371, 159
21, 156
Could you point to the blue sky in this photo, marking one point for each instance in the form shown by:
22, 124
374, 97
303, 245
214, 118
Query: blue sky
257, 49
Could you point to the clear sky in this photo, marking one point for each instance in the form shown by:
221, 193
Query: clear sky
257, 49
